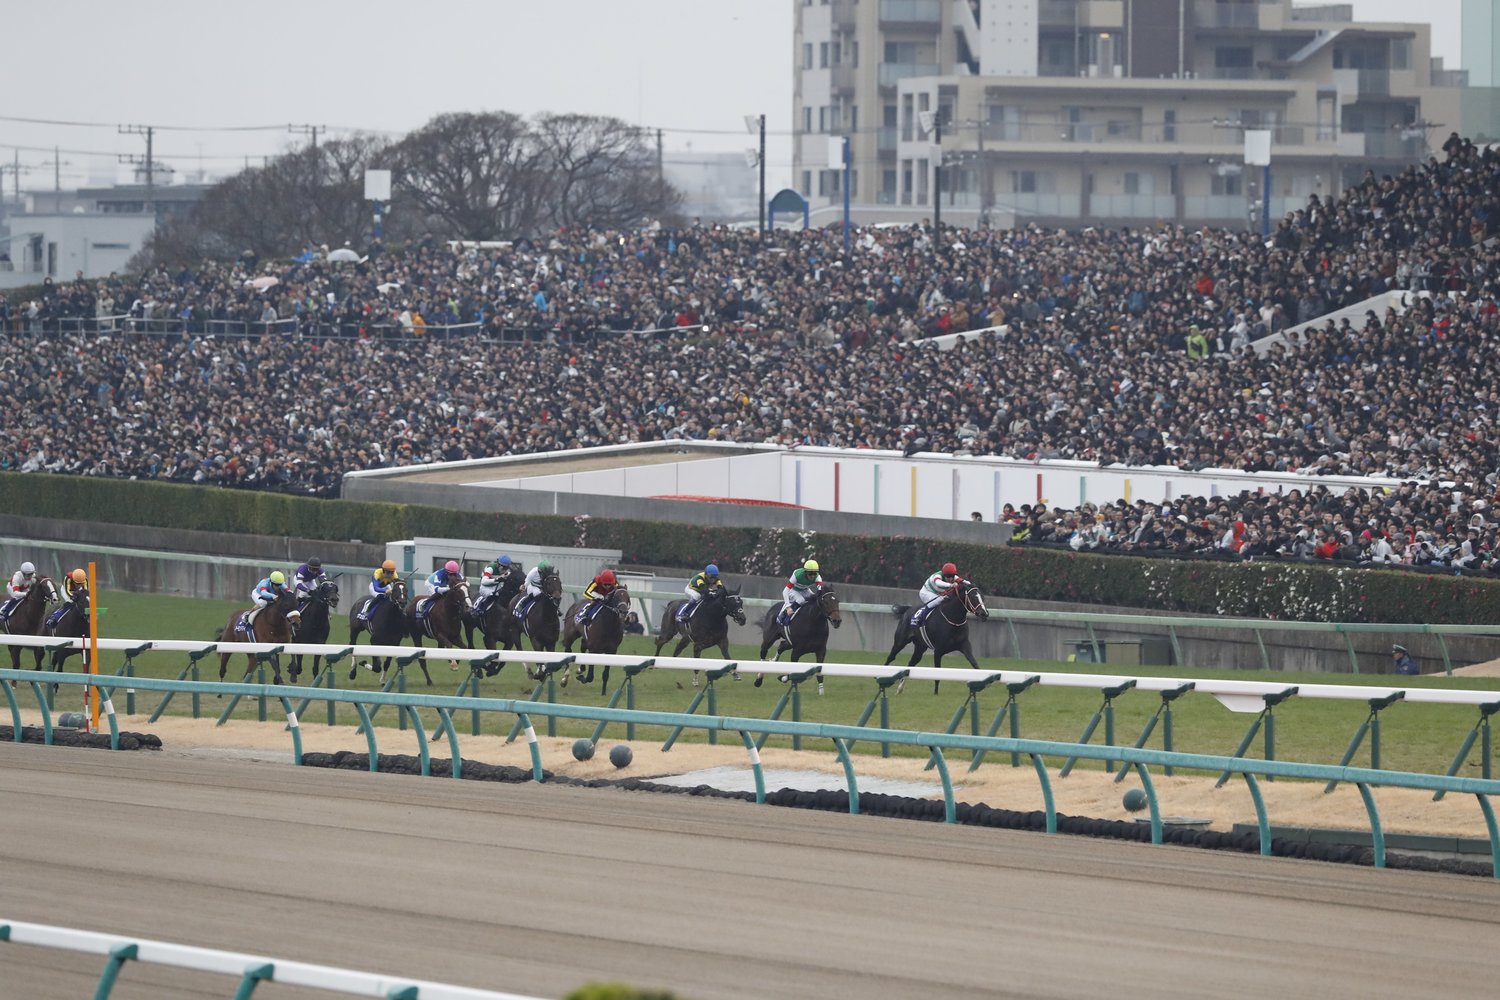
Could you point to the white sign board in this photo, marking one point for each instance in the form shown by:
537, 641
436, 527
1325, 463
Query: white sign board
1258, 148
377, 185
835, 153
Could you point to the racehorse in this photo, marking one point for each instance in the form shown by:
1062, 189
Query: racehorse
27, 617
491, 623
708, 626
808, 632
945, 630
539, 625
443, 621
71, 621
274, 625
602, 633
387, 626
315, 624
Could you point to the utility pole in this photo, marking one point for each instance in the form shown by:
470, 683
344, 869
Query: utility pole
752, 123
57, 163
985, 185
937, 175
308, 130
661, 168
15, 170
150, 133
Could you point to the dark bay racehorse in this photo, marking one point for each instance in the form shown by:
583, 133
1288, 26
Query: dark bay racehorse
602, 633
491, 623
945, 630
443, 621
274, 624
27, 618
387, 626
315, 624
808, 632
708, 626
539, 625
71, 621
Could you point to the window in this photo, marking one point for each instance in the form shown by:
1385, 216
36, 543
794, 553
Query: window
1226, 56
888, 116
822, 55
854, 118
853, 183
854, 54
823, 119
1138, 183
834, 52
888, 182
900, 52
1032, 182
807, 181
806, 120
1231, 184
1401, 53
109, 246
1169, 126
807, 55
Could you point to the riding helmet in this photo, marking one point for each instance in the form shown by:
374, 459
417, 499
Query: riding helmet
277, 576
451, 566
27, 569
710, 570
79, 576
315, 563
949, 569
607, 577
389, 565
811, 565
543, 566
504, 560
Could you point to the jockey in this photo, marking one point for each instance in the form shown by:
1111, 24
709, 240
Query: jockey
308, 578
799, 589
267, 593
533, 585
598, 592
74, 584
495, 577
443, 579
697, 588
16, 589
380, 586
938, 586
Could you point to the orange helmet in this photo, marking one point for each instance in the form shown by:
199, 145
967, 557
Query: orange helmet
79, 576
608, 578
389, 565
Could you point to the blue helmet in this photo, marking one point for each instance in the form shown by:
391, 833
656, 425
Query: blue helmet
711, 570
504, 560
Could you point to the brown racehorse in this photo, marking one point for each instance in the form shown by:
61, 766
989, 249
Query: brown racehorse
444, 621
708, 626
387, 626
273, 625
539, 625
602, 633
808, 632
28, 616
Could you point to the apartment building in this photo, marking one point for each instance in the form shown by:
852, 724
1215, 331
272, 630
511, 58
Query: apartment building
1116, 111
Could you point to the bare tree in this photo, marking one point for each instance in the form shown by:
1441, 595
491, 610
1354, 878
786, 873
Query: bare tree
601, 172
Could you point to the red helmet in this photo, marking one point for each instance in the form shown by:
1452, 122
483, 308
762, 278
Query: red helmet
949, 569
607, 578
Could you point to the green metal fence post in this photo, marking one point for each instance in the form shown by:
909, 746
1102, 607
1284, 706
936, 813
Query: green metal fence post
1447, 660
1371, 725
296, 730
1489, 824
1049, 805
1151, 802
1094, 643
193, 657
545, 685
252, 978
118, 956
129, 669
446, 721
1377, 835
1262, 821
524, 721
709, 677
422, 753
1164, 709
1176, 646
1265, 718
883, 702
970, 707
368, 728
628, 684
15, 713
843, 751
1015, 638
950, 810
1482, 726
1011, 708
1265, 657
755, 768
37, 688
794, 695
1349, 645
1106, 711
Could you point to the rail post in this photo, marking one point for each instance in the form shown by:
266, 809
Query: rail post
546, 683
628, 683
129, 671
971, 707
1105, 711
1011, 708
793, 694
1481, 728
192, 668
1164, 713
882, 700
707, 691
1267, 717
1371, 725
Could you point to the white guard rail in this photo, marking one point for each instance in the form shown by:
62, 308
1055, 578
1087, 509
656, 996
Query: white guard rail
1237, 696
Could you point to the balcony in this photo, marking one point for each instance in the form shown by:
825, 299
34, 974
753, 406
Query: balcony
891, 73
1057, 13
1212, 14
841, 79
1133, 206
1374, 82
844, 14
906, 13
1394, 145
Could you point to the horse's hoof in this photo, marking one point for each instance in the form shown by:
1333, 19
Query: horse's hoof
679, 685
759, 678
820, 687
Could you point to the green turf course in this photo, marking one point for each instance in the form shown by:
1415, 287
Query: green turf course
1420, 738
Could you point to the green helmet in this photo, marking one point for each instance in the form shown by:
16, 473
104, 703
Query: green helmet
543, 565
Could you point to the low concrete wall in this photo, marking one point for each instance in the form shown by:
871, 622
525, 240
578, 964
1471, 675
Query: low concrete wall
489, 500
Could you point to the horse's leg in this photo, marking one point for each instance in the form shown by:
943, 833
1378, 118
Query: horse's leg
223, 665
937, 663
275, 668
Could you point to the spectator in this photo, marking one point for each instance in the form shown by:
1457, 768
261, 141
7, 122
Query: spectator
1402, 662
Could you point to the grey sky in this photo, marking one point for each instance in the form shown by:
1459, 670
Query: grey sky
385, 65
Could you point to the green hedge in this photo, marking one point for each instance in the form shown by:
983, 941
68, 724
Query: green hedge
1294, 592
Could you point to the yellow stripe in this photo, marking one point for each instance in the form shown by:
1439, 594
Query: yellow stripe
913, 491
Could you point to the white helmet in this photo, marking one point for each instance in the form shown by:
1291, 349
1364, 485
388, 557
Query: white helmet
27, 569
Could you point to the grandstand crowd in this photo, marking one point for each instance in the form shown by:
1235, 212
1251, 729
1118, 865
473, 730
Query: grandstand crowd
1120, 346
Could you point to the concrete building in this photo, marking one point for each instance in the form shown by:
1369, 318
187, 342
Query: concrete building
1481, 59
716, 187
1117, 111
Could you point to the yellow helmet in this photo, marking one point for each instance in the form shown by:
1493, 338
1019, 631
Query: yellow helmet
278, 577
79, 576
811, 565
389, 566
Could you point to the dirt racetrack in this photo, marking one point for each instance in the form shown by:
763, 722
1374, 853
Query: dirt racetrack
537, 889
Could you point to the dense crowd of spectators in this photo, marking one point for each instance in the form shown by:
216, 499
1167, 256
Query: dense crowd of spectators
1118, 347
1409, 525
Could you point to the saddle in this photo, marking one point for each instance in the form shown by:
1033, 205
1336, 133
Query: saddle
920, 615
242, 625
424, 608
57, 616
785, 620
686, 611
523, 606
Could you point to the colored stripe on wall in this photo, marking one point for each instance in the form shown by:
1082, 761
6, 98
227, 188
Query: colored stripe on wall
797, 480
1128, 498
876, 509
836, 486
913, 491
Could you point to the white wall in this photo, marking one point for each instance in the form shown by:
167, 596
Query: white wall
95, 244
1008, 38
863, 481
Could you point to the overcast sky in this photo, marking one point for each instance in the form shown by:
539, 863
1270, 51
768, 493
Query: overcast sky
679, 65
